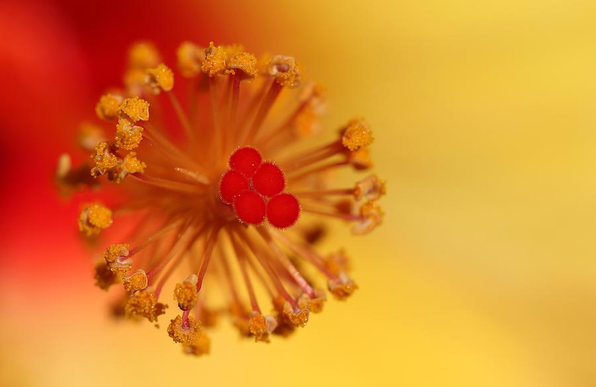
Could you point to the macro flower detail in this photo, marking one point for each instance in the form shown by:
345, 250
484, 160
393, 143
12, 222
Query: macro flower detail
214, 193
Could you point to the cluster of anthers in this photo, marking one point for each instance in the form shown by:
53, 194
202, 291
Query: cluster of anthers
210, 190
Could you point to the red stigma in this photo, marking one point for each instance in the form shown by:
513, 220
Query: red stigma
230, 185
245, 160
283, 210
248, 184
250, 207
269, 180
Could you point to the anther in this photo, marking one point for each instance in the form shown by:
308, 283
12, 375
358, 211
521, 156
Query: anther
186, 331
342, 286
129, 165
297, 317
244, 63
116, 257
356, 134
190, 57
371, 216
313, 304
285, 70
108, 106
136, 281
160, 78
94, 218
144, 304
128, 135
370, 188
143, 55
135, 108
215, 62
186, 293
261, 326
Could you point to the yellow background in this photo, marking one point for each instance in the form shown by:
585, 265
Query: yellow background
483, 273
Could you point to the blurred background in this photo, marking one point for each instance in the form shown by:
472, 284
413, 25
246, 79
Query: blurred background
484, 115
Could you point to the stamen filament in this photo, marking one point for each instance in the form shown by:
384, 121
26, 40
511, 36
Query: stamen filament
207, 253
195, 176
326, 192
181, 115
305, 252
241, 255
267, 266
154, 237
167, 184
347, 217
178, 244
313, 156
154, 136
268, 102
286, 262
321, 168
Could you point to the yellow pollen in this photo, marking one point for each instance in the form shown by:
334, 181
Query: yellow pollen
129, 165
160, 78
178, 217
190, 57
115, 257
135, 108
261, 326
114, 252
337, 262
370, 188
107, 107
201, 347
245, 62
285, 70
357, 134
215, 62
187, 335
103, 158
233, 49
143, 55
94, 218
314, 305
372, 216
128, 135
134, 80
343, 287
143, 303
297, 318
186, 293
136, 281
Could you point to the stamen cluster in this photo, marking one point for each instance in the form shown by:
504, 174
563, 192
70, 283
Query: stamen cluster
199, 202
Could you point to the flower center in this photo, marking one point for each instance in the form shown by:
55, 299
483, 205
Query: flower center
255, 188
